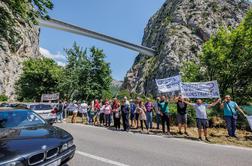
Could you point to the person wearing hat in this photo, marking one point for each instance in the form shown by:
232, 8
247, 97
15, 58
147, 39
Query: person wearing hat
125, 109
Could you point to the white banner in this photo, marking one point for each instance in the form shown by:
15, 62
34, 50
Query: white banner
50, 97
170, 84
249, 118
200, 90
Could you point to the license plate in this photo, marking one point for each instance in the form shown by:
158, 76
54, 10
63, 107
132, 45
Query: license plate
55, 163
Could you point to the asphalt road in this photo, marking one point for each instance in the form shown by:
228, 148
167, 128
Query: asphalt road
101, 147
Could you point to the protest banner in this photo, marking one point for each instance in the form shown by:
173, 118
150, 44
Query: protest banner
249, 118
50, 97
200, 90
170, 84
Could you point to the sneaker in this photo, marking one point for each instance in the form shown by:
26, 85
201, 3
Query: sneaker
180, 133
186, 133
200, 139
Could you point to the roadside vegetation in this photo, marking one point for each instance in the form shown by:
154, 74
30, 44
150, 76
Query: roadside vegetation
85, 76
26, 10
227, 58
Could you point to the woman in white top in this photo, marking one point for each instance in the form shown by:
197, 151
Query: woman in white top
83, 111
75, 112
142, 116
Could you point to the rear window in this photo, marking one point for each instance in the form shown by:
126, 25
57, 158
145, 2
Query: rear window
41, 107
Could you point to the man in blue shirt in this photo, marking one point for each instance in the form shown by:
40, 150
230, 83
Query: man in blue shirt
230, 114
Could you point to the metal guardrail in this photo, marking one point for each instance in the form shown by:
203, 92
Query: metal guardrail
56, 24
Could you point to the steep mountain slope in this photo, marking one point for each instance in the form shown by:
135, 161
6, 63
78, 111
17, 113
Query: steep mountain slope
25, 45
177, 31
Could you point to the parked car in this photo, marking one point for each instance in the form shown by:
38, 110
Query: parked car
4, 105
45, 110
26, 139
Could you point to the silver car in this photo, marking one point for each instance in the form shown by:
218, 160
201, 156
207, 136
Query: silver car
46, 111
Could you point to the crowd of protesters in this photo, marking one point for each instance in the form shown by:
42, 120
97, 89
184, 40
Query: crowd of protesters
139, 114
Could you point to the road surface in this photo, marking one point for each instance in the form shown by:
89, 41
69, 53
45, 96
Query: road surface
103, 147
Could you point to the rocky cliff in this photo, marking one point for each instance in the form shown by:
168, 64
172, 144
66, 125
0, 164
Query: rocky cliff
25, 44
177, 31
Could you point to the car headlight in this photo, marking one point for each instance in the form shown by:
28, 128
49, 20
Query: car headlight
14, 163
70, 144
67, 145
64, 147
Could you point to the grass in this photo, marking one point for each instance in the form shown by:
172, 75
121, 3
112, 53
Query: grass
216, 135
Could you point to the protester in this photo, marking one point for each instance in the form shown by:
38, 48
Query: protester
181, 115
106, 108
102, 115
132, 113
201, 116
141, 109
65, 105
230, 115
96, 111
157, 111
136, 113
91, 113
125, 109
60, 109
83, 111
75, 112
149, 108
164, 112
99, 116
116, 113
111, 114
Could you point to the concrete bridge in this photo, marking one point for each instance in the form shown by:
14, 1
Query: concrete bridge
60, 25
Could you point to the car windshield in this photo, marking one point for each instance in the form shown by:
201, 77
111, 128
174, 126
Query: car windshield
19, 118
41, 107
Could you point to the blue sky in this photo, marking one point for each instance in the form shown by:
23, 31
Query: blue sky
124, 19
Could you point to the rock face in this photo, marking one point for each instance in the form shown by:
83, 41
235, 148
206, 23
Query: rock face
177, 31
26, 46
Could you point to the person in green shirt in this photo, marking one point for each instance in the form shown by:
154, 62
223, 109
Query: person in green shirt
164, 113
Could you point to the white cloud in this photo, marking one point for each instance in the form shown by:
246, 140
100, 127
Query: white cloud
58, 57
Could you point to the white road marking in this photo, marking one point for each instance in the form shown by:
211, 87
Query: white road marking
100, 158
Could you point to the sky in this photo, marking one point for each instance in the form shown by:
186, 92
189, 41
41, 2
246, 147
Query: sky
123, 19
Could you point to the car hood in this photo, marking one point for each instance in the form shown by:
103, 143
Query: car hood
21, 142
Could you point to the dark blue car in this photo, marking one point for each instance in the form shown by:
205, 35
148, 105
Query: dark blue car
26, 139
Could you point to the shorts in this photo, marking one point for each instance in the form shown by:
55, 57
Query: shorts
202, 123
132, 115
182, 119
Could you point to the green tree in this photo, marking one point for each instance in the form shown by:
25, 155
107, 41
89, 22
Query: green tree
39, 76
100, 73
3, 97
226, 57
86, 75
28, 10
75, 81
